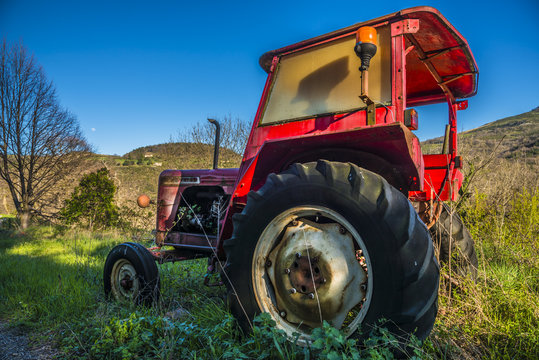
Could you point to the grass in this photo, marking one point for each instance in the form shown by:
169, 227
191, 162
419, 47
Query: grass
51, 285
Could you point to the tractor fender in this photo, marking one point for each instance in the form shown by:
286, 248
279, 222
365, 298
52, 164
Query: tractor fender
390, 150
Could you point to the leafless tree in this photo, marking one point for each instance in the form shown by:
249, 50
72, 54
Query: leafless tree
40, 142
234, 133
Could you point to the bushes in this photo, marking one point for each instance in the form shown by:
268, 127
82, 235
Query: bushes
497, 317
91, 202
146, 335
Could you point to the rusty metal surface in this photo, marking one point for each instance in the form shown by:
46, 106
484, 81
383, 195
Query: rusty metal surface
171, 186
307, 271
124, 280
337, 282
428, 211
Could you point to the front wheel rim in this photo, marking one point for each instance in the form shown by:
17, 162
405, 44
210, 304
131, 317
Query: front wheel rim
312, 245
125, 283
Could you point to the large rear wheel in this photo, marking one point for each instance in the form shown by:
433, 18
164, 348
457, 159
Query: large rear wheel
331, 241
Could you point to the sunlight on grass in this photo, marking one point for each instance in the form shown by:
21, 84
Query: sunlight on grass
51, 280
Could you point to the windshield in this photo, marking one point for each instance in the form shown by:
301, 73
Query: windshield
325, 80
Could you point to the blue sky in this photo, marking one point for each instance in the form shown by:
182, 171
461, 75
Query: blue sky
135, 72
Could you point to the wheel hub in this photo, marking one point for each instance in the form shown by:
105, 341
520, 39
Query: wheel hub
315, 273
124, 282
305, 275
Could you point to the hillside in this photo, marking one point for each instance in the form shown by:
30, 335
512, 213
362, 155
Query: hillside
514, 137
137, 172
141, 172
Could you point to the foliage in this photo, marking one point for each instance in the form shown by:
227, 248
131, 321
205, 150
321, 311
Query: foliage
92, 201
498, 316
233, 136
53, 285
144, 335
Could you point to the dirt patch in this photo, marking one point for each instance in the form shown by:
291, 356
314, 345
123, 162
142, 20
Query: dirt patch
15, 344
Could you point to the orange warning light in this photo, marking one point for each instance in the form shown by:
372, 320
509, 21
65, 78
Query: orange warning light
366, 34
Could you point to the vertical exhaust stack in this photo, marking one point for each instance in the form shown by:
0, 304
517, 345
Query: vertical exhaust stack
216, 144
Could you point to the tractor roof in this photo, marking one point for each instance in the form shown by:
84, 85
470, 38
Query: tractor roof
439, 62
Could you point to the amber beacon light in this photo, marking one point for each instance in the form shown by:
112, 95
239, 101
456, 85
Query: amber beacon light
365, 45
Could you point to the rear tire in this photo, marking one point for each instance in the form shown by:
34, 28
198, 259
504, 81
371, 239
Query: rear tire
455, 242
131, 274
397, 274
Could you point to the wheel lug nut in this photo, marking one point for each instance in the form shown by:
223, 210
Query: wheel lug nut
294, 223
363, 287
287, 271
342, 230
283, 313
311, 296
268, 263
293, 291
298, 255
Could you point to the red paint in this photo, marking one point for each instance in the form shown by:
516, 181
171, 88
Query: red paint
417, 34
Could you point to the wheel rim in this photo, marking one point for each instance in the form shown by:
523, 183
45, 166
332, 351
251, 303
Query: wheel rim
310, 264
124, 280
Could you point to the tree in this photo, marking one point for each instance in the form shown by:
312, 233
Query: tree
234, 134
40, 142
92, 201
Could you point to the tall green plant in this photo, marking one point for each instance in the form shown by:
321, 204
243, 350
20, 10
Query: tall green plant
92, 202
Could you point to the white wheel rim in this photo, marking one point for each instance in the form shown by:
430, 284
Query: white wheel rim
295, 249
125, 283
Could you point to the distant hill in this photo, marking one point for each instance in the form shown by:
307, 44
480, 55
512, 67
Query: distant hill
514, 137
138, 171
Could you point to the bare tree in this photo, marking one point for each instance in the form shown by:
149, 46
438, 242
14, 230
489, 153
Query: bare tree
40, 142
234, 134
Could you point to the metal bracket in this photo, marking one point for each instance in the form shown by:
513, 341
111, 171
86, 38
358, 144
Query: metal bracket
371, 109
462, 105
408, 26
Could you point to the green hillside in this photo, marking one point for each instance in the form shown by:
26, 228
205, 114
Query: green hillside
514, 137
137, 172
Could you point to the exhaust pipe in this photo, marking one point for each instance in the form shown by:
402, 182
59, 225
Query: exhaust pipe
216, 144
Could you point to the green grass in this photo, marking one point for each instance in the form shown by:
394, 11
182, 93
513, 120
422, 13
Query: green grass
51, 283
498, 317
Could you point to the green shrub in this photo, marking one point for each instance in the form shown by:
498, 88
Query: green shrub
91, 202
144, 335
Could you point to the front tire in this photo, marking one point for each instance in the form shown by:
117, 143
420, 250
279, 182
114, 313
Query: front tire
131, 274
335, 242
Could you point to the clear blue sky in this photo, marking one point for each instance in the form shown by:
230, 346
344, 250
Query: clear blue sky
135, 72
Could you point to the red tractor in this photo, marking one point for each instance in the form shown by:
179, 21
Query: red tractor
328, 215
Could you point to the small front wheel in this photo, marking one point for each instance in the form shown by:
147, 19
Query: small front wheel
131, 274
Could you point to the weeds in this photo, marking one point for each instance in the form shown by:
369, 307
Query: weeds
51, 280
